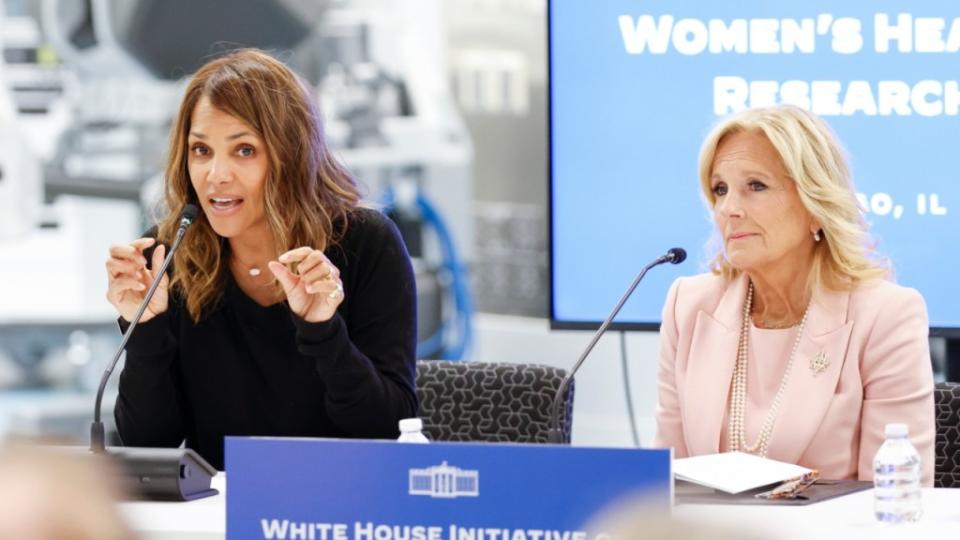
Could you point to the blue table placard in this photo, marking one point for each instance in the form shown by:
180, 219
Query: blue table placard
327, 489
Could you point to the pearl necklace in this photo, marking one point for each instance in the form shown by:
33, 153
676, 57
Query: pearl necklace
737, 436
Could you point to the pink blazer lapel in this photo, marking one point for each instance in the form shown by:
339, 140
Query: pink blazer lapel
712, 356
815, 373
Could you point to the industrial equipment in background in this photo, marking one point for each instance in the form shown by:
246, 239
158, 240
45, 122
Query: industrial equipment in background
87, 94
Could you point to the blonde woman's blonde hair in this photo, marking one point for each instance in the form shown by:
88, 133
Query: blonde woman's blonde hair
814, 160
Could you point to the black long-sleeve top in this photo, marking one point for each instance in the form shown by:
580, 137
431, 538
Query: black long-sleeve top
249, 370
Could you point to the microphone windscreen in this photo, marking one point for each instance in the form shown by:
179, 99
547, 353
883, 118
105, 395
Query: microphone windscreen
678, 255
189, 213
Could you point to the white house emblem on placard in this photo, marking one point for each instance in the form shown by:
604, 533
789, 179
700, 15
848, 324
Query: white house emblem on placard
445, 482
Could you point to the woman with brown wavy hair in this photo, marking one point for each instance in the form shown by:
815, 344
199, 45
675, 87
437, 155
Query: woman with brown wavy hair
289, 310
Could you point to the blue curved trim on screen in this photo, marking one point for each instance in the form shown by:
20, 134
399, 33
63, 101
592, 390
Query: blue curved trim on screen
452, 340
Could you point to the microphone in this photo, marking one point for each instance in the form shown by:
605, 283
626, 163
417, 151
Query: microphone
674, 256
158, 473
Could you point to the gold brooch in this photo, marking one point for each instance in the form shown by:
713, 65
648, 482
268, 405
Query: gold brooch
819, 363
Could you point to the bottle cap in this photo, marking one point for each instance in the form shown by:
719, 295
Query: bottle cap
411, 424
896, 430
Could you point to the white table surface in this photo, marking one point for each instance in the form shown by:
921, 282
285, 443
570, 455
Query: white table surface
849, 517
202, 519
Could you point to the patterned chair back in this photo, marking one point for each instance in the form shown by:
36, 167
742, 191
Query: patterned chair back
946, 398
493, 402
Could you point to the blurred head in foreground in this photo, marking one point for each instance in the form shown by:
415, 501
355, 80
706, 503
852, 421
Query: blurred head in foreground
48, 495
641, 517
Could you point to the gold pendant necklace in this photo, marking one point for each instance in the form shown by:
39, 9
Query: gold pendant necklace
250, 270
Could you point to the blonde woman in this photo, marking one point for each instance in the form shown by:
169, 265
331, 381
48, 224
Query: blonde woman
796, 346
290, 310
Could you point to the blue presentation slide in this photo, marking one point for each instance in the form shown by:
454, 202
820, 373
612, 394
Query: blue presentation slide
635, 86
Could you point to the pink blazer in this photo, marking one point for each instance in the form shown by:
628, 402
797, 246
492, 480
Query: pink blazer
879, 372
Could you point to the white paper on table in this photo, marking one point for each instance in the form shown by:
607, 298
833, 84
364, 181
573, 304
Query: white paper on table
734, 472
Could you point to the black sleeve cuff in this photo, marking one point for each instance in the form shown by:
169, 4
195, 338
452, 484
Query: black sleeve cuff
324, 342
316, 333
151, 336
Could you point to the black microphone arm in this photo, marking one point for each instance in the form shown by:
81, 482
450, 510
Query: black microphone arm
175, 474
97, 436
673, 256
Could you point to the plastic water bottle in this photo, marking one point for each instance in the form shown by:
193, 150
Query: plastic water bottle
411, 430
896, 478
